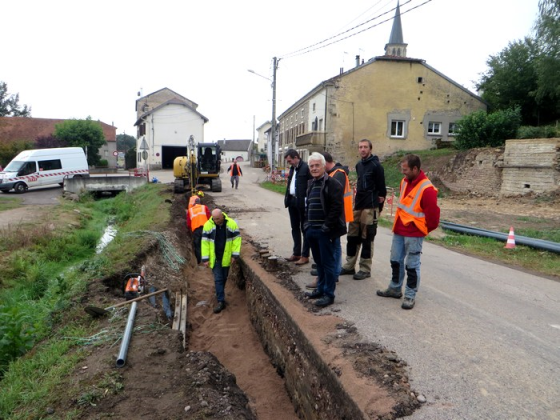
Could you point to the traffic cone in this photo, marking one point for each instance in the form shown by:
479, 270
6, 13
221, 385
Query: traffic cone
511, 239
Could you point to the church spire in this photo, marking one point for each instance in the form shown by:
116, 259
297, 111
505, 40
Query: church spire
396, 45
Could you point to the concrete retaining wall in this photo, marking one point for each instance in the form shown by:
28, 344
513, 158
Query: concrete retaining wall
313, 386
103, 184
531, 166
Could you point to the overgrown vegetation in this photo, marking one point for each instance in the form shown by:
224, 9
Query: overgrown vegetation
43, 271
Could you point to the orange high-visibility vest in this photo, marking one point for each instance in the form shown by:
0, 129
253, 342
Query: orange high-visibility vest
348, 212
231, 170
198, 216
408, 206
133, 284
191, 201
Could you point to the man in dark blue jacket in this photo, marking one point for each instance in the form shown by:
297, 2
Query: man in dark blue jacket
324, 225
370, 195
294, 200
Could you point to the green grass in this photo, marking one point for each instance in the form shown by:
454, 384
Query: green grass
9, 203
392, 167
276, 187
43, 273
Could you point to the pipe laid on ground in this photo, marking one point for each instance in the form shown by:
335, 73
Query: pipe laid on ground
126, 336
521, 240
166, 306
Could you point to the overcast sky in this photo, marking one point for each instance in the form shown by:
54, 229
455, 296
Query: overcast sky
73, 59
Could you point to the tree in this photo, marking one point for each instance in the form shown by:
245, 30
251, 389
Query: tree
512, 80
86, 133
125, 142
9, 104
548, 42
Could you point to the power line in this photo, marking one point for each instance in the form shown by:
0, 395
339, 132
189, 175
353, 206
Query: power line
319, 46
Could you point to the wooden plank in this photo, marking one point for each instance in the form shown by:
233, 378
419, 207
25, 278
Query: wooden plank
183, 324
177, 314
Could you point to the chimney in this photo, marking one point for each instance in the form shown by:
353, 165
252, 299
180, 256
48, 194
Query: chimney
357, 60
341, 70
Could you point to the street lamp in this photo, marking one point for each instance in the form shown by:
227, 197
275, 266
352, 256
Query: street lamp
273, 128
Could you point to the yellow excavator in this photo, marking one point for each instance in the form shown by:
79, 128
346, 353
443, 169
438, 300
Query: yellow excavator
199, 169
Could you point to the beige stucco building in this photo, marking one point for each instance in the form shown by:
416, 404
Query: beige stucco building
397, 102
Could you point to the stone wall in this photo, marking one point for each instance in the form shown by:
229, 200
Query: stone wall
531, 166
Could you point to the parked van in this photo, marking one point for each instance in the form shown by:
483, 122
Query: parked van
38, 167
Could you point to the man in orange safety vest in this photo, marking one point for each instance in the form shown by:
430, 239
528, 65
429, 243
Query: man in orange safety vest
234, 172
417, 215
197, 215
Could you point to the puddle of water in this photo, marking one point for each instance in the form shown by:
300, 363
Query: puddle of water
108, 236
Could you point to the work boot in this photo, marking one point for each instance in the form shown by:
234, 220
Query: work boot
312, 285
361, 275
344, 271
388, 292
293, 258
220, 307
324, 301
315, 294
408, 303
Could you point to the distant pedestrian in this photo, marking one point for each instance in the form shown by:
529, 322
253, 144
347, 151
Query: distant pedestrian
221, 245
324, 224
197, 215
294, 200
234, 172
417, 215
370, 195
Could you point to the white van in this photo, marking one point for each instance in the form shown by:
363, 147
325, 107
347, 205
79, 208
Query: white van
38, 167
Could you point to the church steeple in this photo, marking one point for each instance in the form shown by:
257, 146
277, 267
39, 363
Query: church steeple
396, 45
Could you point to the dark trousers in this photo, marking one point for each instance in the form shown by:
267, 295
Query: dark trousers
197, 241
323, 250
220, 278
296, 220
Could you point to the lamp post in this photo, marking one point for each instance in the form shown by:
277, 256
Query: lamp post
272, 138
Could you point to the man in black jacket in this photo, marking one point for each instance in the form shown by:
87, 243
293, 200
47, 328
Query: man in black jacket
294, 200
324, 225
370, 195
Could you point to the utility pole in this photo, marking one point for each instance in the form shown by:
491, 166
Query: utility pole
273, 128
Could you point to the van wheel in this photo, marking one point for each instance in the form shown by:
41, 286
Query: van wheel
20, 187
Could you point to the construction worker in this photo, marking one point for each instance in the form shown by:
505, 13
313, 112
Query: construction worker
417, 215
133, 287
197, 215
192, 198
234, 172
221, 245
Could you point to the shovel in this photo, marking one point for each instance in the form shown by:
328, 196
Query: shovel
97, 312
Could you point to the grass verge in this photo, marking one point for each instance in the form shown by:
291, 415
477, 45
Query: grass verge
42, 327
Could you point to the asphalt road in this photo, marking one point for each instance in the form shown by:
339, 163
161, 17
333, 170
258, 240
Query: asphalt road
483, 341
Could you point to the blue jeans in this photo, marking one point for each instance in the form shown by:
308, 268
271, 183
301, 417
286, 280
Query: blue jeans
323, 250
338, 255
409, 249
220, 277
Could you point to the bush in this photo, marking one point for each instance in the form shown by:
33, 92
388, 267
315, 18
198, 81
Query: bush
488, 130
544, 132
103, 163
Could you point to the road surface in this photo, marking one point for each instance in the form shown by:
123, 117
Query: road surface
483, 341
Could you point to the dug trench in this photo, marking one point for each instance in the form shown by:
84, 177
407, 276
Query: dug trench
269, 355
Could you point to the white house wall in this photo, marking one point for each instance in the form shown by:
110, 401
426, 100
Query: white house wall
171, 125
